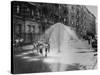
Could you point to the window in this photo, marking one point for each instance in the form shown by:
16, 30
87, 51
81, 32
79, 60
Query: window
32, 13
72, 22
29, 28
18, 8
33, 29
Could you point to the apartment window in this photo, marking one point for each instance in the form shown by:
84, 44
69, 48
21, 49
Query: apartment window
18, 8
33, 29
72, 22
28, 9
32, 13
29, 28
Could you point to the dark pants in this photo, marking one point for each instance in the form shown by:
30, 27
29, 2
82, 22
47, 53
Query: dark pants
89, 41
41, 50
46, 52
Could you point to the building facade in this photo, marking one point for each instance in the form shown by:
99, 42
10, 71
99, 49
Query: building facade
30, 20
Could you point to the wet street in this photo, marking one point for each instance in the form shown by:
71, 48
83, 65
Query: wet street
28, 61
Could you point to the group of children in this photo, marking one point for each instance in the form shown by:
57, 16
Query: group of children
42, 47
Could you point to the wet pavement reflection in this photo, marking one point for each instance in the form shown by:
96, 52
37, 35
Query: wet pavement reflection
25, 61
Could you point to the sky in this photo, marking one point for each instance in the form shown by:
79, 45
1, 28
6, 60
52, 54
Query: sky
93, 10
